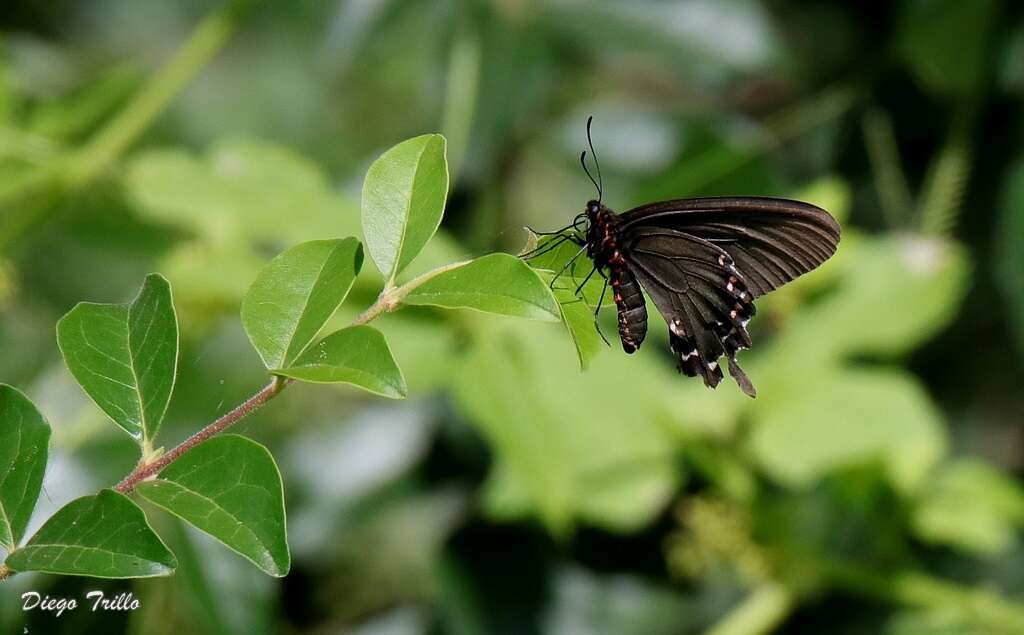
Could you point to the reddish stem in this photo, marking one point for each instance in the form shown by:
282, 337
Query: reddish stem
148, 470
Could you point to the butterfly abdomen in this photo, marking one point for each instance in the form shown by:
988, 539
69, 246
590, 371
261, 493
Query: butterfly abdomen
632, 309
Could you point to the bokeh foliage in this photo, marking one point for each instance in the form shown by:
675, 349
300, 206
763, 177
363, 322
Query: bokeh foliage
873, 485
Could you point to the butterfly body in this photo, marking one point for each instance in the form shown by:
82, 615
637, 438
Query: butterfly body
703, 261
603, 247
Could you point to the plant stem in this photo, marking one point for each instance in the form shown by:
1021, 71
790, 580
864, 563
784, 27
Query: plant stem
391, 297
29, 201
152, 468
388, 300
154, 96
760, 612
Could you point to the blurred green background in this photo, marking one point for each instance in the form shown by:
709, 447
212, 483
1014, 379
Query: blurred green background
874, 486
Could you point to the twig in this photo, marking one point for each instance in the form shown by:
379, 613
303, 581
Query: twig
151, 469
388, 300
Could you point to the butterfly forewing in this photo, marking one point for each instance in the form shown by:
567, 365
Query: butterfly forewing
771, 241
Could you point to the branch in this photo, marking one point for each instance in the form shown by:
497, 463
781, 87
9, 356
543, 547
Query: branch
152, 468
389, 300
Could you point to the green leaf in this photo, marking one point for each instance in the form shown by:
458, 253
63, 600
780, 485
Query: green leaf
83, 109
295, 295
403, 201
238, 192
554, 260
578, 319
24, 438
230, 488
358, 355
125, 356
496, 283
799, 434
102, 536
926, 277
973, 506
576, 311
561, 448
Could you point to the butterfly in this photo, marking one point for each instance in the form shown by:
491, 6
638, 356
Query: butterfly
702, 261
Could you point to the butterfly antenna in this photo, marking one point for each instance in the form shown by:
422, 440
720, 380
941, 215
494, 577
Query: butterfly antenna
583, 162
597, 166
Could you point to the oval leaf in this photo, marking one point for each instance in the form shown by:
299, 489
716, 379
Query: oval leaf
972, 506
358, 355
403, 201
230, 488
801, 436
101, 536
557, 257
24, 437
295, 294
125, 356
579, 321
925, 278
560, 450
496, 283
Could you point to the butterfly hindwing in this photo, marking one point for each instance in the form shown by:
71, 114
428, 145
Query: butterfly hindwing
702, 296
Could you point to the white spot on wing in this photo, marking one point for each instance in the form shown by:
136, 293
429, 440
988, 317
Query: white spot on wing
676, 326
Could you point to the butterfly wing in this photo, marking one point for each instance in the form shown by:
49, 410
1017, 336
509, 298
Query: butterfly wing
702, 295
771, 241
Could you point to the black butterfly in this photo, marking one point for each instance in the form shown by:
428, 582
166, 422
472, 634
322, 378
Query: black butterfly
702, 261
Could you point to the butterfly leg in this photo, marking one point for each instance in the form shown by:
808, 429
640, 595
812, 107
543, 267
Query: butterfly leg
566, 266
545, 248
553, 233
585, 281
597, 311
